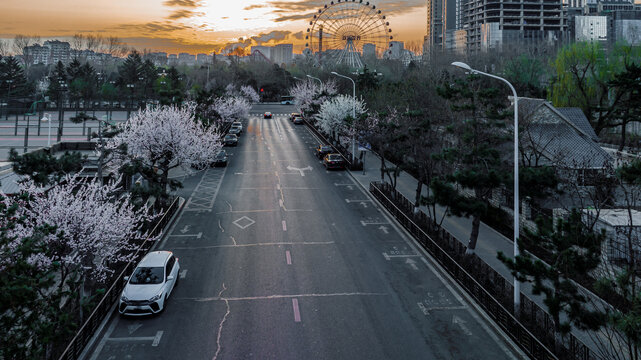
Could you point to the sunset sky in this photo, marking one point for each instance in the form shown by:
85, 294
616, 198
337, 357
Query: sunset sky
190, 25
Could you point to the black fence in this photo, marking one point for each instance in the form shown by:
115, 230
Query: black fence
533, 331
87, 330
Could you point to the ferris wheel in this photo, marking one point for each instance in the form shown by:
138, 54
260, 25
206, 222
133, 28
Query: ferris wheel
344, 31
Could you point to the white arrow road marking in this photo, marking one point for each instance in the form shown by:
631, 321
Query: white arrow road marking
183, 273
461, 323
363, 204
301, 170
411, 263
133, 327
185, 229
383, 228
386, 256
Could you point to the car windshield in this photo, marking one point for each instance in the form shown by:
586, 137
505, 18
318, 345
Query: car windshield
334, 157
230, 137
326, 148
147, 275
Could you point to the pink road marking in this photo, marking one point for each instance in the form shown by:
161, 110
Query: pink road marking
289, 257
296, 311
284, 226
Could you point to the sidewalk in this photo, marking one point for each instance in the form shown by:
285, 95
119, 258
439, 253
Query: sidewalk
489, 240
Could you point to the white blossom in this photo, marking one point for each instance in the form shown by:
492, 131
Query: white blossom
334, 112
250, 94
231, 108
168, 136
94, 226
308, 93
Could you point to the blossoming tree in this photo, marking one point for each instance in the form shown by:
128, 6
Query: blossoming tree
335, 115
155, 141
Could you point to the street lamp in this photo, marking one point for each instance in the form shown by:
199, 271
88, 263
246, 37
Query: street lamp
517, 285
315, 78
47, 118
353, 109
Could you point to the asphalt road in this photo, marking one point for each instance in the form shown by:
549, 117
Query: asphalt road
281, 259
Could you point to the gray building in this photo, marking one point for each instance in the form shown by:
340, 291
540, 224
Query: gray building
369, 50
591, 28
497, 23
282, 53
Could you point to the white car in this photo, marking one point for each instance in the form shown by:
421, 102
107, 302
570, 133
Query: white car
150, 285
237, 124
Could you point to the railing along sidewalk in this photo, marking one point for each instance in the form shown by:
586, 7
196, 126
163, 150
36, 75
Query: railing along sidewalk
533, 332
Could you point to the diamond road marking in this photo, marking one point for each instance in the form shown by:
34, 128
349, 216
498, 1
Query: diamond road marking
246, 222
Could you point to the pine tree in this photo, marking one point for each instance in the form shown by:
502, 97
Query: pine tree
478, 126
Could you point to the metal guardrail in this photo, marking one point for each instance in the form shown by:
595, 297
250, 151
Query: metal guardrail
87, 330
533, 331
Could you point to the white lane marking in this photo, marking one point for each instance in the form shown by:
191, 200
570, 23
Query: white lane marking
277, 186
220, 226
185, 229
103, 342
288, 255
183, 273
358, 201
220, 326
157, 338
133, 338
296, 310
270, 297
233, 240
383, 228
198, 236
386, 255
365, 223
251, 245
284, 226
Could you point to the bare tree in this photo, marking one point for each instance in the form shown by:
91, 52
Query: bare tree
93, 42
77, 41
4, 48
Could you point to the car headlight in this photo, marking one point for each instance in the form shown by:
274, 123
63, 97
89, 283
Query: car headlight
156, 297
124, 298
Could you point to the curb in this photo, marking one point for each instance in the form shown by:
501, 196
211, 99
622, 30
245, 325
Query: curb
515, 348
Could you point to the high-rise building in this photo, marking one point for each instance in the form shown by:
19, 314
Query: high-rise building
626, 26
591, 28
497, 23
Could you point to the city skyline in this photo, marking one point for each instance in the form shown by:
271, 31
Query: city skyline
192, 26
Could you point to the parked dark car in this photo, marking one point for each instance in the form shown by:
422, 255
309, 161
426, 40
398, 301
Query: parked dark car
221, 158
235, 131
322, 150
267, 115
298, 120
334, 161
230, 140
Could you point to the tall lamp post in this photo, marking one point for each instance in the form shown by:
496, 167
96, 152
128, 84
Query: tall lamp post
353, 109
315, 78
47, 118
517, 285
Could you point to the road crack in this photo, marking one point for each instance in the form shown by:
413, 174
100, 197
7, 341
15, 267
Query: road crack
220, 327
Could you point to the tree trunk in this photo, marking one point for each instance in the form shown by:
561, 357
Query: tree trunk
623, 131
474, 235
